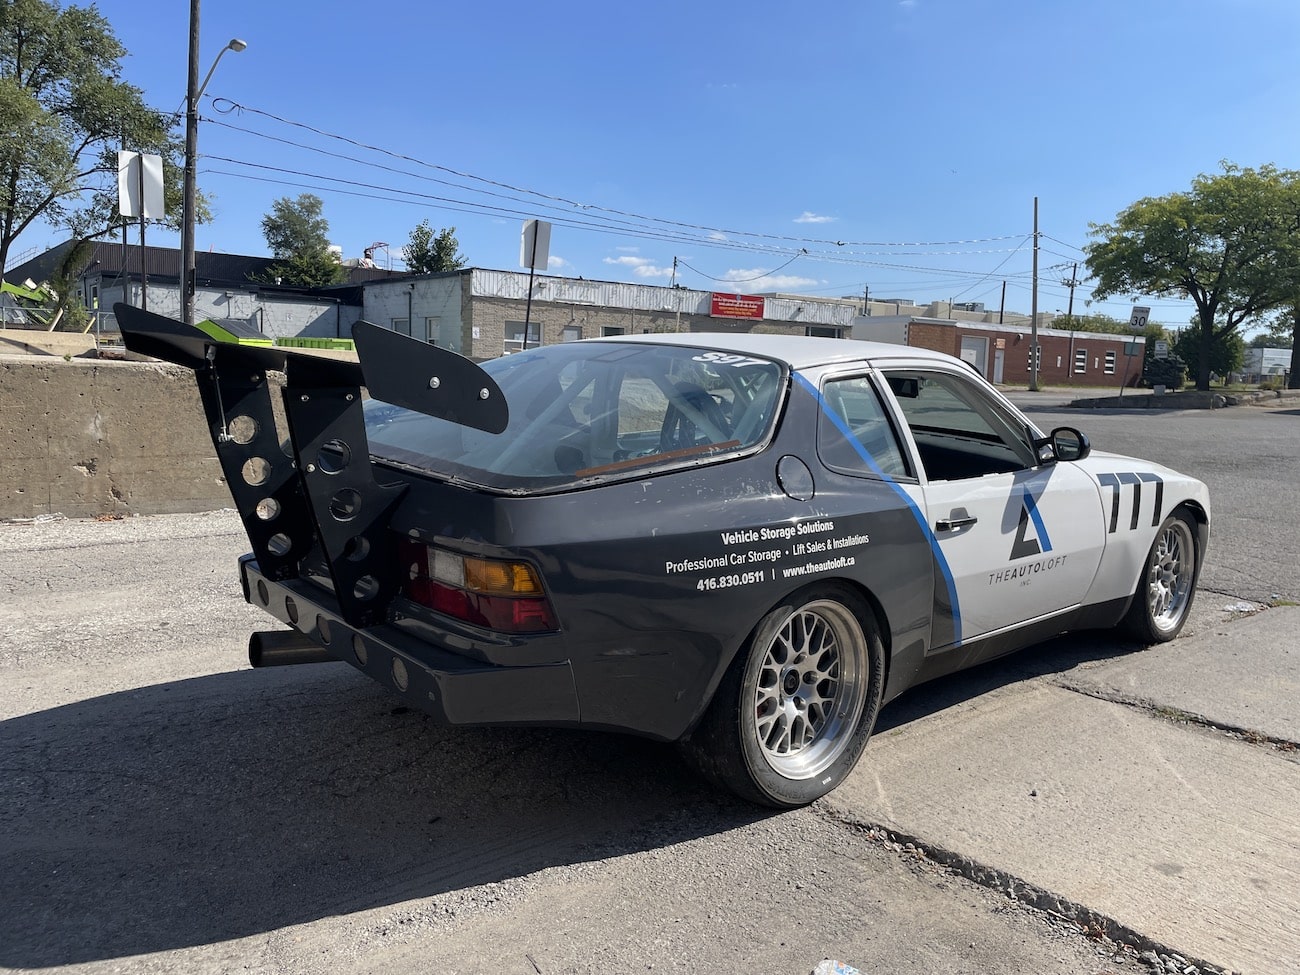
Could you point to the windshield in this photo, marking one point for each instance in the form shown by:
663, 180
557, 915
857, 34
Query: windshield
586, 410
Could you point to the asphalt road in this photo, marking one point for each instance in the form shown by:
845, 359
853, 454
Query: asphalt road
164, 808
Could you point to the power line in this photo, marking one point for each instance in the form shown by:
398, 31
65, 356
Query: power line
236, 107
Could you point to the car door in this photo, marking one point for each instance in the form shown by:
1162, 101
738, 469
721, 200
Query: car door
1019, 540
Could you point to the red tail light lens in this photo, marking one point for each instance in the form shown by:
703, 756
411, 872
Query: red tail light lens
497, 594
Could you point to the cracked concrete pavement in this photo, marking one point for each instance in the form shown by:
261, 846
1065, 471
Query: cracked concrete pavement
1159, 789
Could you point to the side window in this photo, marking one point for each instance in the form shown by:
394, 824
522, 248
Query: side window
857, 437
960, 431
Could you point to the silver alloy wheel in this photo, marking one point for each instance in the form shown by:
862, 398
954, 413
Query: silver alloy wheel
811, 689
1169, 575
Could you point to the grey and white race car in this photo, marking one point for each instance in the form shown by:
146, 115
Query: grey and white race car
746, 544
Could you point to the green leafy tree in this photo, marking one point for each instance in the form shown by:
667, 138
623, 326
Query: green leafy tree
70, 314
1090, 323
1227, 352
64, 114
430, 253
1170, 372
297, 233
1230, 245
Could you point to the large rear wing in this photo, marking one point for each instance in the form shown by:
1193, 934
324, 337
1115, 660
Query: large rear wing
320, 486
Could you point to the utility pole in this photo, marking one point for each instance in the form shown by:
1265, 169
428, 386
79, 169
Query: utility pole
188, 192
1072, 284
866, 299
1002, 307
1033, 313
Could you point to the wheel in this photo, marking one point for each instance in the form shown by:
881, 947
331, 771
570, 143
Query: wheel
797, 705
1168, 582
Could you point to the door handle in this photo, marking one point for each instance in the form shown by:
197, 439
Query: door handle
955, 522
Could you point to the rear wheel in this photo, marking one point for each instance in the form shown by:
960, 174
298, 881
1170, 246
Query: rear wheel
1168, 583
796, 707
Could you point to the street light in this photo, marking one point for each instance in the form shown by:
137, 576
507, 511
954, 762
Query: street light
194, 91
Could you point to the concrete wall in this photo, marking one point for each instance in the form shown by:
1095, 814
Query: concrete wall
93, 437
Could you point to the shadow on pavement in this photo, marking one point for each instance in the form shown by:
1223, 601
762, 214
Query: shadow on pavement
198, 811
1053, 657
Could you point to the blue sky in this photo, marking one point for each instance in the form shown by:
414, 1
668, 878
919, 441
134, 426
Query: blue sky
818, 148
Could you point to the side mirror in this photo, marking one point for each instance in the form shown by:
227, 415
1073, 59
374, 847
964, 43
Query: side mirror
905, 387
1070, 444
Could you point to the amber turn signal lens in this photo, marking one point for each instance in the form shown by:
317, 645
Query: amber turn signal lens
501, 578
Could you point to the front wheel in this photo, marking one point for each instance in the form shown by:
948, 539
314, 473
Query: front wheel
796, 707
1168, 583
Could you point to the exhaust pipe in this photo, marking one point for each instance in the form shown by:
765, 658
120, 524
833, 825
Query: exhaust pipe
280, 648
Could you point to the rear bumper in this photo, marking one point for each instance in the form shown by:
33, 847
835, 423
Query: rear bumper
452, 688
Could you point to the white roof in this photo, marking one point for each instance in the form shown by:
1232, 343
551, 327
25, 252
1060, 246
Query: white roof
797, 351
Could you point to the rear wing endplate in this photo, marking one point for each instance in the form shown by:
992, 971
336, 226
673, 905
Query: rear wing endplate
320, 485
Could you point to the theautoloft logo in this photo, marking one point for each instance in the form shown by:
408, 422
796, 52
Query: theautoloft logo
1030, 541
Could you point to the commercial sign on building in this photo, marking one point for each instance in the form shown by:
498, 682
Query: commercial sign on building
736, 306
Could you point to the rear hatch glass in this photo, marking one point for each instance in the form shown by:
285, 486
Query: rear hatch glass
587, 411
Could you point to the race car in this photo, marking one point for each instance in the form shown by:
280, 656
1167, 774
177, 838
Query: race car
745, 544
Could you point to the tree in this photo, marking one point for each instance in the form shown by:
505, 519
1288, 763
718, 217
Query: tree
1090, 323
427, 253
1230, 245
297, 233
1226, 353
70, 315
64, 113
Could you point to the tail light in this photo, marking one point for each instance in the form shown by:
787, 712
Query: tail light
497, 594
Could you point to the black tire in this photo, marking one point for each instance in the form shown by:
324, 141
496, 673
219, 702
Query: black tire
795, 709
1167, 586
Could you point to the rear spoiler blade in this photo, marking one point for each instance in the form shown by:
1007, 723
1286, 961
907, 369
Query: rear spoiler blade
321, 485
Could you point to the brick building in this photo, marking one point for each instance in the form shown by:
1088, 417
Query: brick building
1001, 352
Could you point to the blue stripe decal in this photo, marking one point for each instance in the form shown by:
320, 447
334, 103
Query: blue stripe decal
870, 461
1031, 506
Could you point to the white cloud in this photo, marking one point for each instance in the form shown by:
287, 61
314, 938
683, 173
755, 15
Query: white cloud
717, 235
642, 267
809, 217
556, 261
746, 281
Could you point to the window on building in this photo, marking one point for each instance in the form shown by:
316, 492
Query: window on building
571, 333
1110, 363
1080, 361
824, 331
431, 329
402, 325
612, 330
515, 337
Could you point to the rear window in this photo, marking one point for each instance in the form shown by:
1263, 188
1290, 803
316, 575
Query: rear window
593, 410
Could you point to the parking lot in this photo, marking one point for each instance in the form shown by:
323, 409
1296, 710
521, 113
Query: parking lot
165, 808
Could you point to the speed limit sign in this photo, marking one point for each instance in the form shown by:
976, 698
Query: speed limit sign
1138, 320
